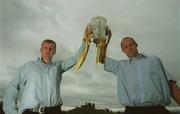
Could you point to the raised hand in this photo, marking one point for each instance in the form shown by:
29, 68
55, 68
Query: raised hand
87, 33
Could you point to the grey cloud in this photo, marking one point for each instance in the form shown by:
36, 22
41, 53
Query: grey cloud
3, 86
26, 19
25, 24
11, 70
86, 87
2, 91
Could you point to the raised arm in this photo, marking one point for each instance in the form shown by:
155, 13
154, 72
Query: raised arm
80, 56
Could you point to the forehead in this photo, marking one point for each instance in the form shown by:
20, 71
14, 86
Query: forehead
48, 44
127, 40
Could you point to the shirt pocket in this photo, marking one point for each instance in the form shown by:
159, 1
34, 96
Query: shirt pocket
152, 73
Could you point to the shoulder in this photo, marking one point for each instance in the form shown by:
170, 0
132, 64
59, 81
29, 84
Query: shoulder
27, 65
108, 59
150, 56
115, 61
57, 63
153, 58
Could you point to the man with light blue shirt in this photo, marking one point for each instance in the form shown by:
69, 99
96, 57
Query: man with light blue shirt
144, 85
38, 83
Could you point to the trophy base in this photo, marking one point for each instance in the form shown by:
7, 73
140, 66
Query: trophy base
99, 40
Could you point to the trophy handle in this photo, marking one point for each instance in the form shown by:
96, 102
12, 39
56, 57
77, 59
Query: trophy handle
83, 56
102, 46
109, 34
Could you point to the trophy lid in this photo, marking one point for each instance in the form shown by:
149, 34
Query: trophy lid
99, 18
99, 27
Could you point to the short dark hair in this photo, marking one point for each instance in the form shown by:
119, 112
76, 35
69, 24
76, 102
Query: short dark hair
127, 37
48, 41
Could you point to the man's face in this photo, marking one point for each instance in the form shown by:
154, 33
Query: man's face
129, 47
47, 51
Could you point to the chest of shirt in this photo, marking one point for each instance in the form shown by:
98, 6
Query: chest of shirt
38, 72
142, 69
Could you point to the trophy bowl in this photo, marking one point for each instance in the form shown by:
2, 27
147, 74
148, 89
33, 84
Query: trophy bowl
100, 35
99, 28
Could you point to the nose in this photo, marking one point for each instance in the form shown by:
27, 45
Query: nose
48, 51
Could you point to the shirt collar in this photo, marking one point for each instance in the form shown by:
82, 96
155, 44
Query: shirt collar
140, 55
40, 61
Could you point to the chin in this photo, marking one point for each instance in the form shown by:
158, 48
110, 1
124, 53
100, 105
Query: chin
131, 56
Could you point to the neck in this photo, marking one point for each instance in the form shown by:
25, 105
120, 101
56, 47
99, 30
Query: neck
135, 56
45, 61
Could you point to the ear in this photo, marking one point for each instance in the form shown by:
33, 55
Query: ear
136, 45
54, 52
40, 49
122, 50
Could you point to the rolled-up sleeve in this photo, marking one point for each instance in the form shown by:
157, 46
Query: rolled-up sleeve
70, 62
167, 75
111, 65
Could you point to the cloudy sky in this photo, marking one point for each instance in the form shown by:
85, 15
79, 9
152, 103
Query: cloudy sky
25, 23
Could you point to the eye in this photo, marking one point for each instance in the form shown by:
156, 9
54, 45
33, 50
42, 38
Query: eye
133, 45
45, 47
124, 47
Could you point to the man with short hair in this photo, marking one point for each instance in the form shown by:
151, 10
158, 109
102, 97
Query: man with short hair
38, 83
144, 85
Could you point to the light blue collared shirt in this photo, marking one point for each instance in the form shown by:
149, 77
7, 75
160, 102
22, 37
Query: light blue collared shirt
142, 81
38, 84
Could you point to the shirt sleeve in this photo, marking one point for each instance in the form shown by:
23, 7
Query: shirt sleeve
111, 65
11, 94
70, 62
168, 76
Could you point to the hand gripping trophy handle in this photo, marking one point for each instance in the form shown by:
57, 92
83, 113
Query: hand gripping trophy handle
83, 55
101, 35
